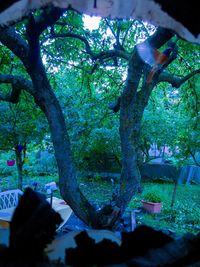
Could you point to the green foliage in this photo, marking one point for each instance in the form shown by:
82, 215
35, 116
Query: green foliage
97, 178
152, 197
41, 165
85, 89
183, 217
171, 119
93, 128
20, 123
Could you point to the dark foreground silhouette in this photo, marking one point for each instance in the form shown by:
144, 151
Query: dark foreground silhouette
34, 225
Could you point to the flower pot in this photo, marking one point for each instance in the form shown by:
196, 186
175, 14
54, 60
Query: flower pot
151, 206
11, 162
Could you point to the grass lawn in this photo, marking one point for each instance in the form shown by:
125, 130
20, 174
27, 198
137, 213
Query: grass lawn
183, 217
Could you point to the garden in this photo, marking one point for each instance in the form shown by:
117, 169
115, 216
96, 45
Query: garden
90, 103
182, 216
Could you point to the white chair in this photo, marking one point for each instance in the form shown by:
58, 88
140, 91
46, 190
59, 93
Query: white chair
8, 202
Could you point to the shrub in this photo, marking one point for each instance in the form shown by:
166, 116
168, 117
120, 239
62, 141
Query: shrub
152, 197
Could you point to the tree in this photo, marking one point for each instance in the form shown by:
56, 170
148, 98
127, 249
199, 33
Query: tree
171, 118
20, 124
93, 129
27, 46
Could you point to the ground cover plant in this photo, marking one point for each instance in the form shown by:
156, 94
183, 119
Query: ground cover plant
32, 211
183, 217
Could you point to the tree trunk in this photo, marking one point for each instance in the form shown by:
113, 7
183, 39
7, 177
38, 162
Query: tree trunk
19, 162
174, 193
132, 106
68, 185
130, 175
131, 111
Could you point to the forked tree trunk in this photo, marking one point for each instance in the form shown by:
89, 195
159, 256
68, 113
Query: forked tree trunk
133, 101
132, 107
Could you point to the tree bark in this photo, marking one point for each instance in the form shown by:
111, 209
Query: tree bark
19, 163
69, 188
47, 101
134, 99
130, 120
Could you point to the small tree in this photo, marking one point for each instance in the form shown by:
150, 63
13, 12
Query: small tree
19, 126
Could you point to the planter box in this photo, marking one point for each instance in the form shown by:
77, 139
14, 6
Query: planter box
151, 206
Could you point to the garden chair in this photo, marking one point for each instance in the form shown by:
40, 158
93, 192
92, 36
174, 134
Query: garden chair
8, 202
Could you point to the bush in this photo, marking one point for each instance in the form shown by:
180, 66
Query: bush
152, 197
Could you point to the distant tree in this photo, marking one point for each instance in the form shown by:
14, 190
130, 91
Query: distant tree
20, 125
171, 121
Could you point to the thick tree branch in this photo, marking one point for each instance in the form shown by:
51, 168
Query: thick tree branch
137, 67
48, 17
15, 43
18, 84
94, 56
174, 80
35, 26
111, 54
75, 36
159, 38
